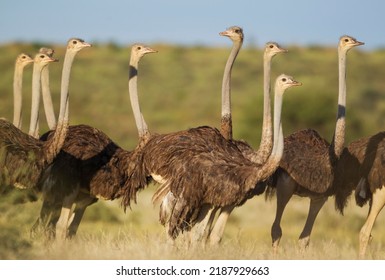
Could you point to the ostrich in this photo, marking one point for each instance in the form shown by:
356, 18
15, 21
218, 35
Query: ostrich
207, 214
309, 162
265, 147
22, 157
22, 60
363, 170
203, 168
96, 167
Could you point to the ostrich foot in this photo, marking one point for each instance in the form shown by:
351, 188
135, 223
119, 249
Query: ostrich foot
276, 246
303, 243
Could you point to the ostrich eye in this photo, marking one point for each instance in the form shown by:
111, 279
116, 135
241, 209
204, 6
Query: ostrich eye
284, 79
139, 48
346, 40
271, 46
237, 31
42, 56
74, 42
23, 57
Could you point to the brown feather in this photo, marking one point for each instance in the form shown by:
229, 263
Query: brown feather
91, 164
200, 167
306, 151
96, 163
23, 158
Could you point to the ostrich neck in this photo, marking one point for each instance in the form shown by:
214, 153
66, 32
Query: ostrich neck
65, 80
47, 99
272, 162
226, 120
33, 125
54, 145
133, 91
17, 95
339, 133
278, 132
266, 144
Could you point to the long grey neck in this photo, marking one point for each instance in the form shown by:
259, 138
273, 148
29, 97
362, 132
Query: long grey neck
226, 120
269, 167
55, 144
64, 89
17, 95
266, 145
33, 125
278, 132
133, 91
339, 133
47, 99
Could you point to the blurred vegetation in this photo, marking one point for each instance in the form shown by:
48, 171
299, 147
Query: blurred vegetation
180, 87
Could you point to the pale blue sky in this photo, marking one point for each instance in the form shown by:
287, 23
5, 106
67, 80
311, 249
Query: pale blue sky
193, 22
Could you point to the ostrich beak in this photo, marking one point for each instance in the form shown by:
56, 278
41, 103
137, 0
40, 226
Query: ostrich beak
224, 33
296, 83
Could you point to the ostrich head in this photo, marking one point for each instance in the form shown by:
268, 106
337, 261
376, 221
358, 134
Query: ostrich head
284, 82
76, 44
43, 59
23, 59
272, 48
47, 51
346, 43
139, 50
235, 33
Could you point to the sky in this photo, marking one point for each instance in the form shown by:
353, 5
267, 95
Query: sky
195, 22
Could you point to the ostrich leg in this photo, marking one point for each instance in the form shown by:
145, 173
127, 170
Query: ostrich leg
80, 208
219, 227
315, 206
201, 229
285, 190
378, 202
49, 215
66, 215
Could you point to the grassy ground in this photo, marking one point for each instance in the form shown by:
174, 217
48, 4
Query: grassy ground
109, 233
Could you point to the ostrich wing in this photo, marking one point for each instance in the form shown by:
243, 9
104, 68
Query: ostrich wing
306, 158
370, 153
21, 157
93, 161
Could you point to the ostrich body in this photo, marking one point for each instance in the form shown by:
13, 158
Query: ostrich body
22, 60
200, 167
309, 163
96, 168
363, 167
22, 157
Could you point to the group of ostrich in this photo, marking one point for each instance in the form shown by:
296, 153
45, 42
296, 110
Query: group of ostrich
202, 173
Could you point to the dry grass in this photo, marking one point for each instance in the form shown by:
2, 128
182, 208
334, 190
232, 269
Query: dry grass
109, 233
